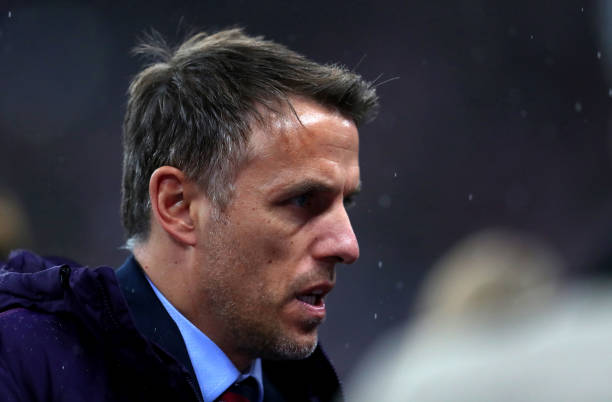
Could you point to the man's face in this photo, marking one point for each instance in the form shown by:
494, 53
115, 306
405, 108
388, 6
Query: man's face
268, 262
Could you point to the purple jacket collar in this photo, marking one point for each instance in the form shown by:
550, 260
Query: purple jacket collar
60, 286
91, 303
149, 315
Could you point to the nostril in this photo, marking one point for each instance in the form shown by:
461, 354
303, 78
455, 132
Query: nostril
333, 260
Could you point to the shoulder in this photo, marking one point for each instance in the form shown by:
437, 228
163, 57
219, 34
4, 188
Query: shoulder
42, 355
24, 331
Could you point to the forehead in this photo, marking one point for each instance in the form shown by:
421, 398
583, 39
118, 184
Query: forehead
309, 129
309, 144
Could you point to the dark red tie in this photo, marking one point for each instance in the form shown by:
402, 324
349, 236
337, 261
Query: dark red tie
243, 391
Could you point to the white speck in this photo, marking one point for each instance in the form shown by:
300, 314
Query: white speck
581, 9
470, 197
375, 316
599, 55
578, 107
394, 174
523, 113
10, 14
347, 345
380, 264
62, 366
531, 36
610, 92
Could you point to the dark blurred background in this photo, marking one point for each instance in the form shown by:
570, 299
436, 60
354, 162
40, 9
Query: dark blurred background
499, 118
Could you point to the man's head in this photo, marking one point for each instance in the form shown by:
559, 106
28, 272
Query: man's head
240, 156
194, 109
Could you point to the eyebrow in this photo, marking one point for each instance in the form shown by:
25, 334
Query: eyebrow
308, 186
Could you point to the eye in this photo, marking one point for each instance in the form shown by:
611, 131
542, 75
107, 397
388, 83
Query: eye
302, 200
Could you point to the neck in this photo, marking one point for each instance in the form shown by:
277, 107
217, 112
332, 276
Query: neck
177, 279
168, 269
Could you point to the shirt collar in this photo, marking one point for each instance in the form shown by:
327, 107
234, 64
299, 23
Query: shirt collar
214, 371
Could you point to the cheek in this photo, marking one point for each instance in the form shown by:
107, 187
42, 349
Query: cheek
273, 262
269, 245
276, 248
254, 255
265, 238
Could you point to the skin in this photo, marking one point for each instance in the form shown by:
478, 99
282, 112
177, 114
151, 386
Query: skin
236, 277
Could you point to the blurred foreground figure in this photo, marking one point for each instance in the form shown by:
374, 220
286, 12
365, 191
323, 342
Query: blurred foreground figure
14, 225
496, 325
239, 157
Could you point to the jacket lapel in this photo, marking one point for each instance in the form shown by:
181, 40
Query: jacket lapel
150, 316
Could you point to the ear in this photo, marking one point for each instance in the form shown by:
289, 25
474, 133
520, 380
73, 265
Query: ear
172, 195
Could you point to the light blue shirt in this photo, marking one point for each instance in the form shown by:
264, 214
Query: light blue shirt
214, 371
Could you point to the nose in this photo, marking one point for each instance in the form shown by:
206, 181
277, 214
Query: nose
335, 239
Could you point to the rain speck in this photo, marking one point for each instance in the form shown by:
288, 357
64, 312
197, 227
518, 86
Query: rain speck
531, 36
62, 366
347, 345
578, 107
610, 92
380, 264
399, 285
581, 9
599, 55
375, 316
10, 14
395, 174
470, 197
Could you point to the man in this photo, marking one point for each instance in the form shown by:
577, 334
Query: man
240, 156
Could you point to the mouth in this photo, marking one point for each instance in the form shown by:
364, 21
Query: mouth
314, 297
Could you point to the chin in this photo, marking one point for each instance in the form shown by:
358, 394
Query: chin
277, 341
295, 347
